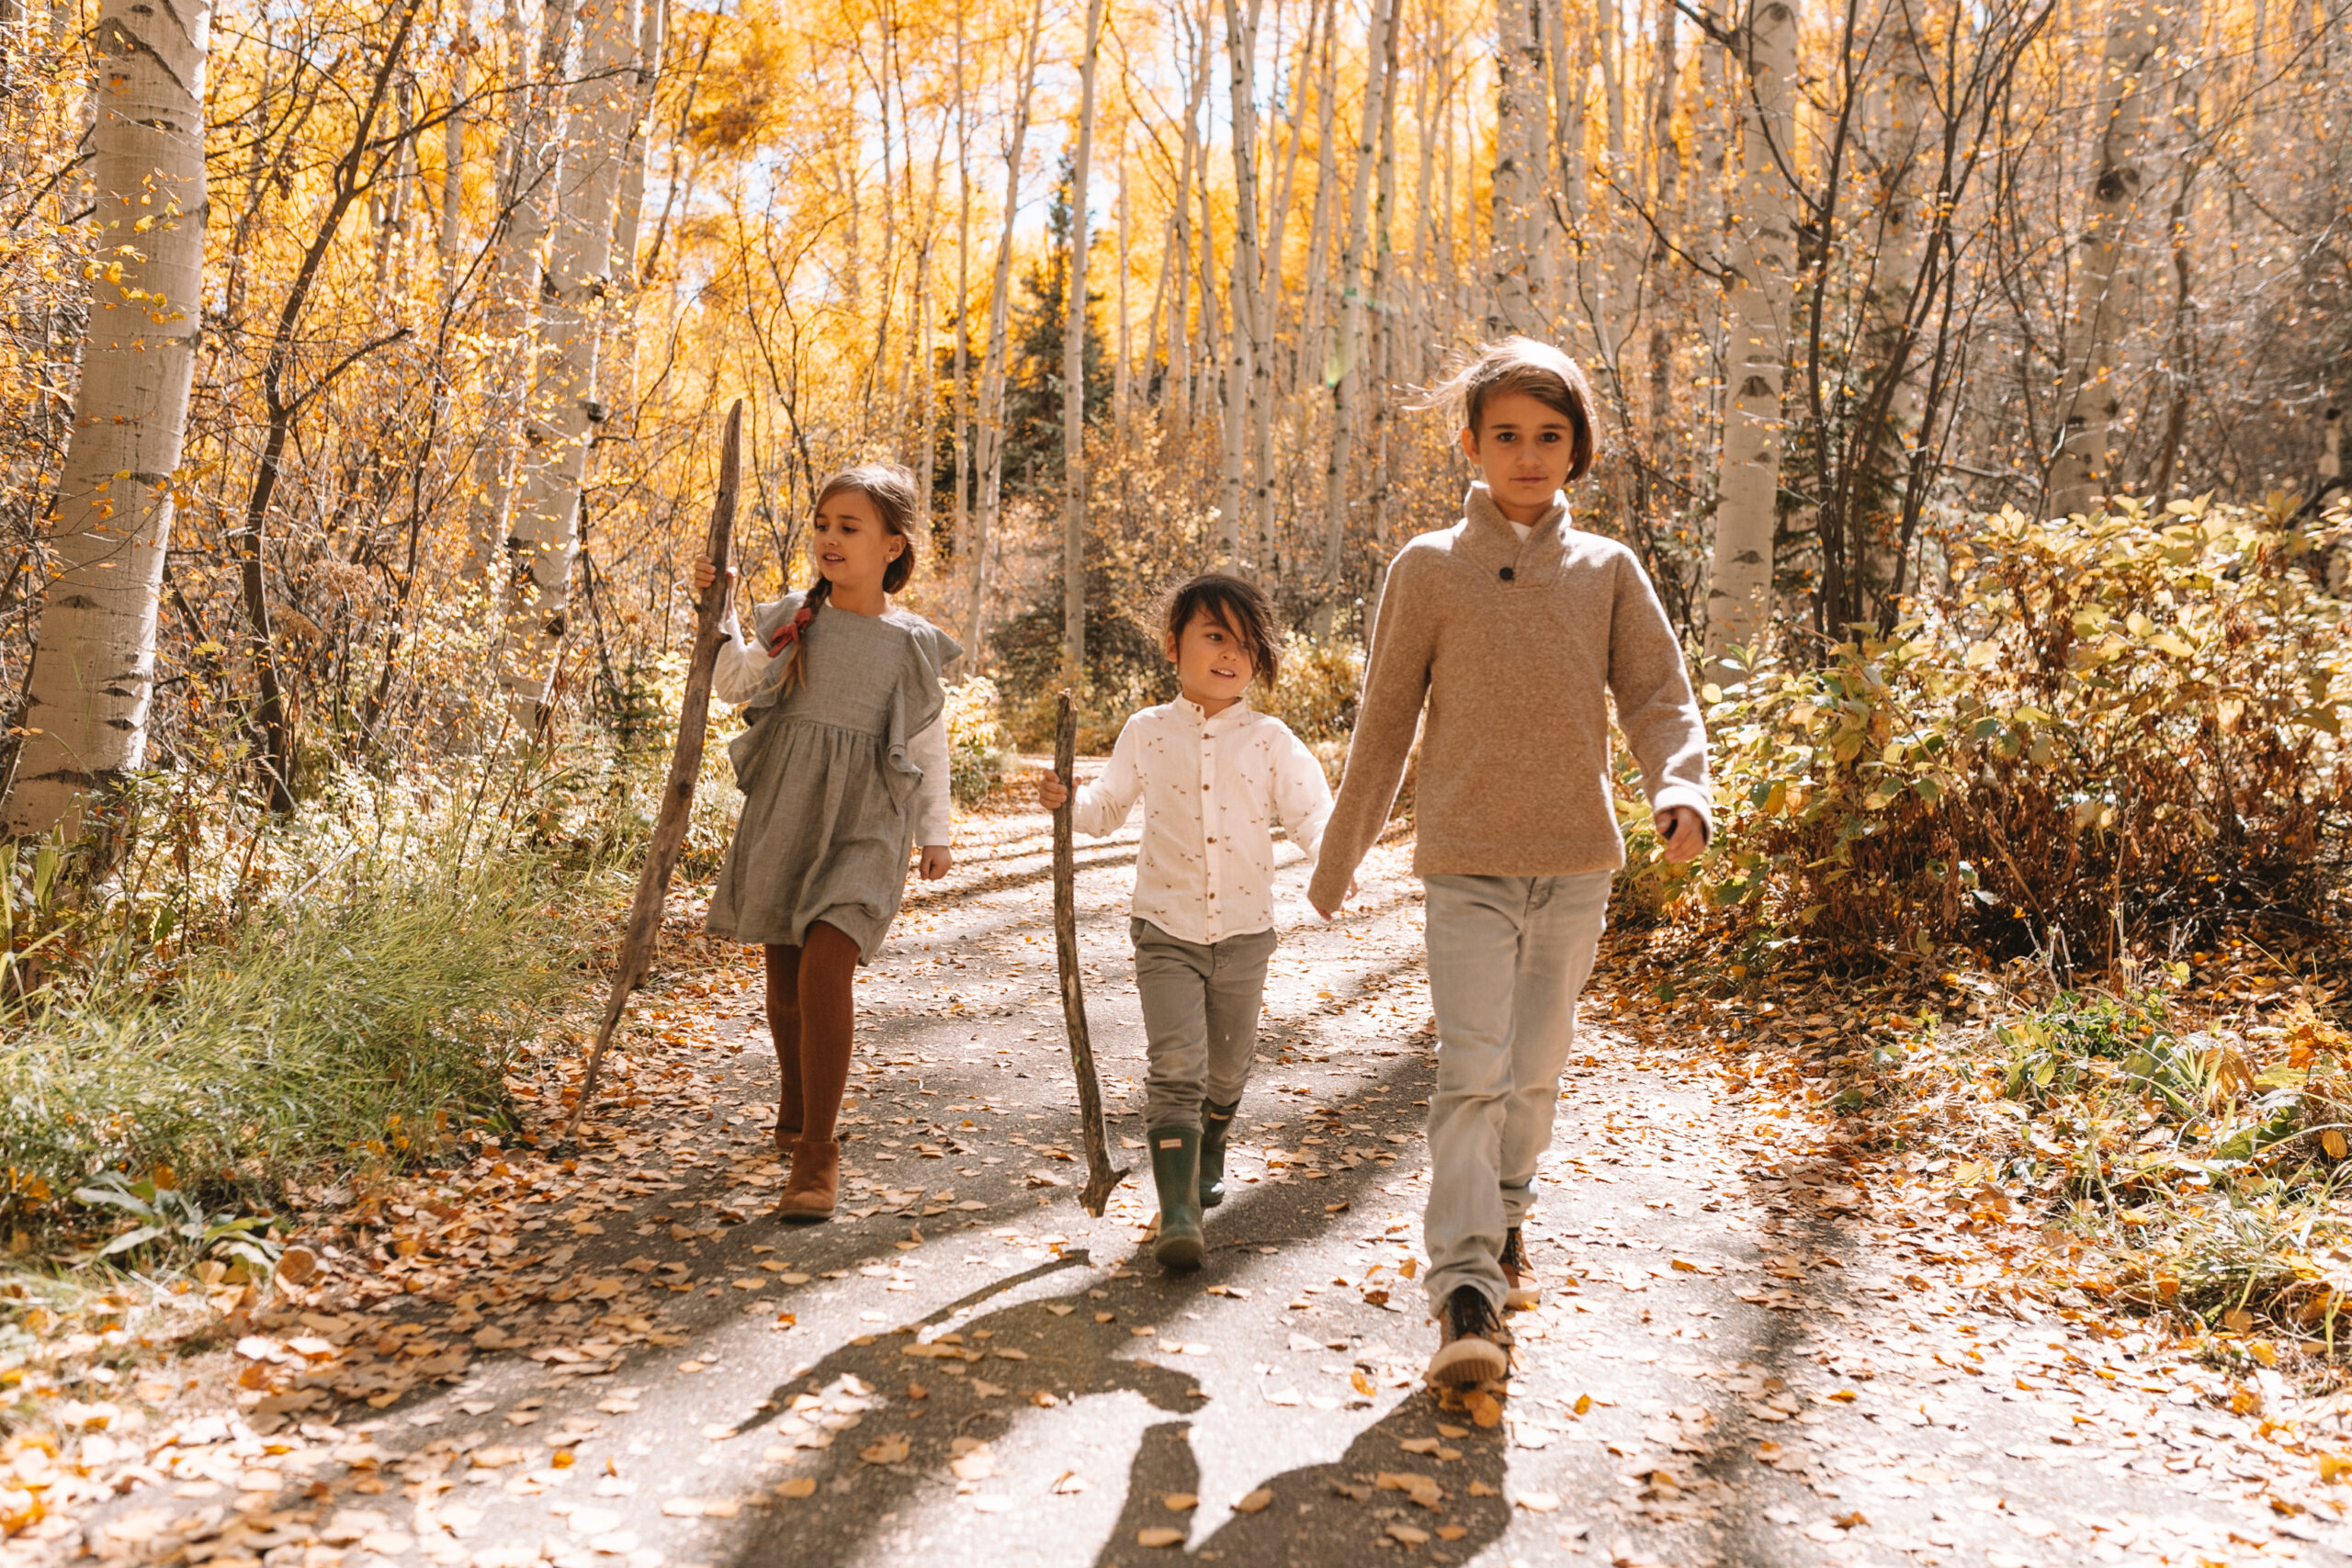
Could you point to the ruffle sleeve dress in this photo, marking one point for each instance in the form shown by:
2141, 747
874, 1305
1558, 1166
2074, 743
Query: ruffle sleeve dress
841, 776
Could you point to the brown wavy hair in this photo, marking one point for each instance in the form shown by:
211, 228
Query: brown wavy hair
896, 501
1521, 365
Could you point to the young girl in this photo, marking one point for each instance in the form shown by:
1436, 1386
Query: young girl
1213, 775
843, 770
1514, 631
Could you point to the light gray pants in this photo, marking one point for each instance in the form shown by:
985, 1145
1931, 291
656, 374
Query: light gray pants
1507, 956
1200, 1018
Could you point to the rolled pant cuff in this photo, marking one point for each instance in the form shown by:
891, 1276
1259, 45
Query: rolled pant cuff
1443, 1284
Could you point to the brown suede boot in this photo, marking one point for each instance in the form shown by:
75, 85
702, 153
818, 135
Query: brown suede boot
815, 1184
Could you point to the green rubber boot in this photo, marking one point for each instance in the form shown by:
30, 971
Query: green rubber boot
1217, 1125
1176, 1171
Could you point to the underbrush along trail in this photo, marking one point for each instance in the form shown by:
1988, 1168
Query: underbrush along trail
1759, 1344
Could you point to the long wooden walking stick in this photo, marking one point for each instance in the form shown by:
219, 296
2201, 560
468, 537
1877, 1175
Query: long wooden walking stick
1099, 1177
685, 766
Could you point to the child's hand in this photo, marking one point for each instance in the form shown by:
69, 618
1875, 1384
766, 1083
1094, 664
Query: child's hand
1051, 791
705, 574
1353, 890
1679, 830
937, 861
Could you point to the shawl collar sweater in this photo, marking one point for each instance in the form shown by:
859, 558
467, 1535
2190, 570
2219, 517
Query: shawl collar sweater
1515, 649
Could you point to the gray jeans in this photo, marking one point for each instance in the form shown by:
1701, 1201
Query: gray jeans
1508, 956
1200, 1018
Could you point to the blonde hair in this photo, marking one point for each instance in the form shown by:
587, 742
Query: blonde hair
1520, 364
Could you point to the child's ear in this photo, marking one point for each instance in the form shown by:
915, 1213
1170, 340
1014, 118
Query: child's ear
1470, 443
1167, 646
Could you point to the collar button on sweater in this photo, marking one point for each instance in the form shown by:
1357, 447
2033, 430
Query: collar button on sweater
1509, 574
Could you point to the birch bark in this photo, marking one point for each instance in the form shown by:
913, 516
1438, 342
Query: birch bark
1242, 51
988, 460
453, 144
1519, 162
1249, 379
533, 163
92, 676
561, 425
1180, 332
1074, 366
2088, 395
1379, 94
1763, 246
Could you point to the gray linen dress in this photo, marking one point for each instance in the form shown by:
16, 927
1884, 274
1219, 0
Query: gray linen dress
828, 821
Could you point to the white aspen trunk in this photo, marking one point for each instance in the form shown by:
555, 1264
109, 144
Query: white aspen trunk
1253, 312
960, 410
1178, 398
561, 421
1763, 247
629, 219
617, 361
2089, 392
990, 460
453, 146
1571, 73
1242, 51
1666, 172
1265, 391
1615, 269
1155, 320
93, 677
923, 396
390, 205
1896, 114
1314, 355
1119, 370
1211, 384
1382, 357
1708, 146
1518, 164
1379, 96
1666, 157
1074, 366
533, 164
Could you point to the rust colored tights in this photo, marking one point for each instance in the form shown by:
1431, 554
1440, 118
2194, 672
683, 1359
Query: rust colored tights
810, 1012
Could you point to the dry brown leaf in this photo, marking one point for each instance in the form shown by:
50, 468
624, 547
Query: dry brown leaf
891, 1450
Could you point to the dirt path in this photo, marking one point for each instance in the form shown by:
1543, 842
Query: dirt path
1757, 1346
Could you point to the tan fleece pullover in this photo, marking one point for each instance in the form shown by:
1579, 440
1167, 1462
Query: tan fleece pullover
1516, 648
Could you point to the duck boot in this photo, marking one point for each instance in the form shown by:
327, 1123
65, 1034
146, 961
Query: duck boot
1217, 1125
810, 1191
1176, 1171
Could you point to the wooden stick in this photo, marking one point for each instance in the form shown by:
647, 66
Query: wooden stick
685, 765
1099, 1176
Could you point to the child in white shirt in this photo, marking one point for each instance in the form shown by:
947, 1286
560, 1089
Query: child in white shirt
1214, 775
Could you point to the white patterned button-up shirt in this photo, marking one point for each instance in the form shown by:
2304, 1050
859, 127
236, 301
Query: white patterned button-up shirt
1212, 790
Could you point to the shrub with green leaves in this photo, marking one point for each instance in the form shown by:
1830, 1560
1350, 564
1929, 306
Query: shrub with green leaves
2114, 727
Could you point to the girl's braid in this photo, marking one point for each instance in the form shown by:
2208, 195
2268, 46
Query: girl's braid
796, 668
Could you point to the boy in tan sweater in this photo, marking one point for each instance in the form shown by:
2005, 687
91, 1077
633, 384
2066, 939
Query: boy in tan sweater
1514, 631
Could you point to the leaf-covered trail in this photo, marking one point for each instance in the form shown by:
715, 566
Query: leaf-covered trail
1757, 1345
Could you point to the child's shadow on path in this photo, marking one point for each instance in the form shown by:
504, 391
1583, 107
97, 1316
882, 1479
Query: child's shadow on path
1333, 1514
